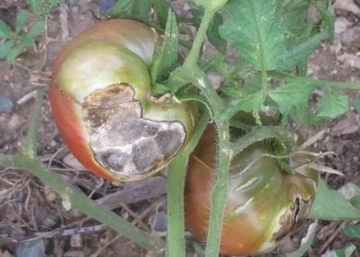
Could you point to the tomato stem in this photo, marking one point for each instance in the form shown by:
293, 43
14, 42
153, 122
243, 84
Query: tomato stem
197, 77
82, 203
176, 184
219, 190
195, 51
265, 132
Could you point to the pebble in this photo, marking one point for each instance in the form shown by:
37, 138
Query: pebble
15, 122
30, 249
160, 222
6, 104
105, 5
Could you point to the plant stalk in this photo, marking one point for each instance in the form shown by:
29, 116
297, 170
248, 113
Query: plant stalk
176, 185
82, 203
195, 51
313, 82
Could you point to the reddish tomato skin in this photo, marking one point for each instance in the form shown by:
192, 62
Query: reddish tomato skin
70, 128
197, 202
262, 203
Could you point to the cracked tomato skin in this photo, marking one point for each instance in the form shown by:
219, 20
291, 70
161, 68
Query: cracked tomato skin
263, 203
99, 98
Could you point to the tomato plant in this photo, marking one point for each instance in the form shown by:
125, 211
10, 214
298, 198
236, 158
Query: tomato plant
135, 94
102, 104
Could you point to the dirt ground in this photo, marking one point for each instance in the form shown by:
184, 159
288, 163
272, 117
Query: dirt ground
29, 210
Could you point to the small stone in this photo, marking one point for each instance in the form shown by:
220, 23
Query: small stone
341, 25
66, 205
29, 249
6, 104
50, 195
15, 122
160, 222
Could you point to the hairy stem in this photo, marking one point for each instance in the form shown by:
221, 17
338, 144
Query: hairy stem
282, 134
82, 203
176, 184
193, 57
219, 190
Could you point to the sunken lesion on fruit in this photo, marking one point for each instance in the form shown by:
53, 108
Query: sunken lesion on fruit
301, 194
121, 139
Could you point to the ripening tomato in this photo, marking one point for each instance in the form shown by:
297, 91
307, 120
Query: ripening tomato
263, 201
102, 104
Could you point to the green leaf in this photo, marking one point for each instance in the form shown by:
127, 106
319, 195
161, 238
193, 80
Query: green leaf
331, 205
5, 48
5, 31
352, 230
26, 41
142, 9
300, 52
166, 58
248, 104
290, 95
36, 29
302, 68
212, 63
357, 104
345, 252
214, 35
131, 9
232, 90
21, 18
327, 13
161, 8
332, 105
124, 6
257, 32
301, 114
14, 53
295, 15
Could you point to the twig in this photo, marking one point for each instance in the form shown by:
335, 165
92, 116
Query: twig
332, 237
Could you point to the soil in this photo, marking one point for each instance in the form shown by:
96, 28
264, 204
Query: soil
32, 212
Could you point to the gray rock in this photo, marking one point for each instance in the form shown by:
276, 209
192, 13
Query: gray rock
30, 249
160, 222
6, 104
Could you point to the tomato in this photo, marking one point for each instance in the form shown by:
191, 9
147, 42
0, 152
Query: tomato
101, 102
263, 201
